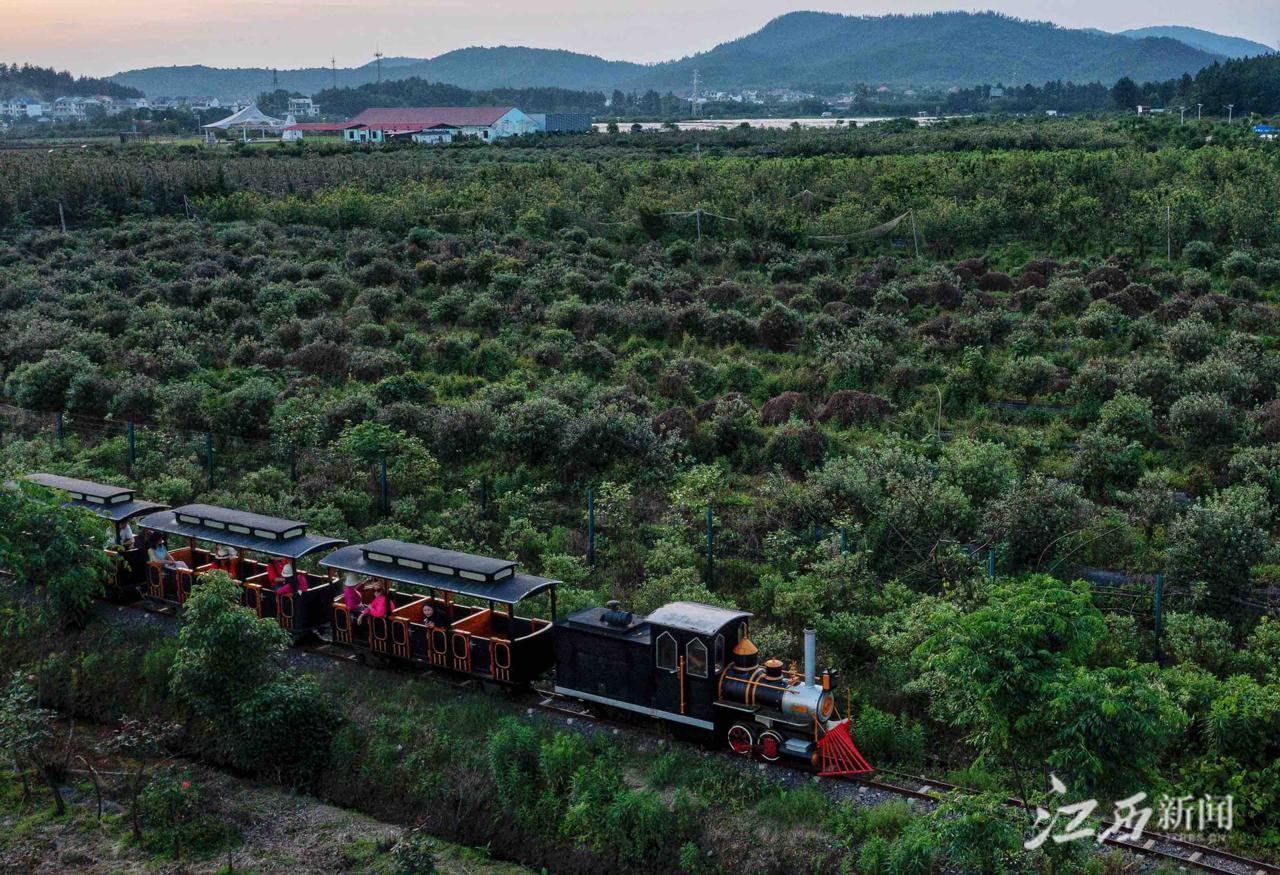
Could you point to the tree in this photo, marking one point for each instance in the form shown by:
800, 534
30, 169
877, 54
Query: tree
1107, 728
139, 741
1035, 518
1204, 422
225, 654
1125, 94
55, 552
1028, 376
1218, 541
26, 730
992, 672
43, 385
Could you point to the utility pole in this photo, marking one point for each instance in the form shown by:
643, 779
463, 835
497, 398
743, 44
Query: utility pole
694, 100
1231, 108
1168, 233
333, 66
377, 54
1199, 106
1182, 115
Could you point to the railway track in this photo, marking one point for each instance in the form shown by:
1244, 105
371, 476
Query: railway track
1155, 845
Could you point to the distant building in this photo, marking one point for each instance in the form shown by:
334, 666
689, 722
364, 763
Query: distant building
488, 123
302, 107
21, 107
561, 122
996, 92
1267, 132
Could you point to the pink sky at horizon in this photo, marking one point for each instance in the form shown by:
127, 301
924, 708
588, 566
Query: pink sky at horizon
108, 36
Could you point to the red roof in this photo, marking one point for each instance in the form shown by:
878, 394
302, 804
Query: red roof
317, 126
419, 117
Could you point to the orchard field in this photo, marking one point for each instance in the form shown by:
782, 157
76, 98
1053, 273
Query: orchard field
1016, 457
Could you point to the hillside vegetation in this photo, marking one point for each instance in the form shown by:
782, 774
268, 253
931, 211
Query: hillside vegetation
1073, 378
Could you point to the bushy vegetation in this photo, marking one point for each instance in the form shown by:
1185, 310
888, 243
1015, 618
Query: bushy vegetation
867, 428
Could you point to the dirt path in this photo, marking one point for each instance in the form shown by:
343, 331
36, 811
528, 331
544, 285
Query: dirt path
273, 831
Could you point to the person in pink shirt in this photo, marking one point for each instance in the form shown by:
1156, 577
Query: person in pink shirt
381, 606
351, 598
291, 581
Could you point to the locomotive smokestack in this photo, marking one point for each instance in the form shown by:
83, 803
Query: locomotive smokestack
810, 656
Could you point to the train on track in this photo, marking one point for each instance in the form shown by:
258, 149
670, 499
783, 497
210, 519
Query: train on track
689, 666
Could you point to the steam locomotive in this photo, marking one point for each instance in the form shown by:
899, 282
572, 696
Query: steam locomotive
689, 666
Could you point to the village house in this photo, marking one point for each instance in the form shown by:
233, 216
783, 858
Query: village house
303, 107
21, 107
488, 123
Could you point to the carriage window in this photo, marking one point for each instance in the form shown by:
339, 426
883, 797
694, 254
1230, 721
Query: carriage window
667, 652
719, 653
696, 658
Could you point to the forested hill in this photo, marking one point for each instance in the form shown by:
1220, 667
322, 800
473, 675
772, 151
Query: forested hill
1218, 44
417, 92
796, 50
942, 49
47, 83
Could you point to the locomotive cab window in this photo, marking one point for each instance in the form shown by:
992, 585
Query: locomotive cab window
667, 652
719, 653
695, 659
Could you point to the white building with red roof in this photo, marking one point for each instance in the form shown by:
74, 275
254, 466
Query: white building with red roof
438, 123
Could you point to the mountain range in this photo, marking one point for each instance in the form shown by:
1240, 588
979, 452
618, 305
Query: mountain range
809, 50
1227, 46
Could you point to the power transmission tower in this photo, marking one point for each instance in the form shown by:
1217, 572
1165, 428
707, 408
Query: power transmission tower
333, 65
378, 57
694, 100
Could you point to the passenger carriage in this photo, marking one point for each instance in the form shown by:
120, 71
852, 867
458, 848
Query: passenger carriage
251, 536
117, 505
452, 611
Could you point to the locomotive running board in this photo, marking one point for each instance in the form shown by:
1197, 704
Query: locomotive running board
638, 709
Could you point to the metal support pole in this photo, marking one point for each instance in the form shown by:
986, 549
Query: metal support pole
698, 214
293, 463
57, 426
1159, 606
915, 238
591, 526
62, 218
208, 452
844, 540
1168, 232
991, 563
711, 550
133, 447
384, 499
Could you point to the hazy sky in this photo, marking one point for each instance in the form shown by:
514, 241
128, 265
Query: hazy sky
106, 36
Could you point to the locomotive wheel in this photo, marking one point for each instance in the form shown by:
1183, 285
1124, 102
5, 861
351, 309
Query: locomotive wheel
742, 740
770, 746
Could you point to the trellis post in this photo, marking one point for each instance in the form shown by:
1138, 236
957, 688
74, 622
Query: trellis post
209, 456
591, 526
384, 498
711, 549
132, 456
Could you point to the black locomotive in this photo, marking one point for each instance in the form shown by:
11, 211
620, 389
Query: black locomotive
690, 666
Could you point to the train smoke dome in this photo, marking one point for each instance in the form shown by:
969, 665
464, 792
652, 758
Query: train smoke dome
745, 654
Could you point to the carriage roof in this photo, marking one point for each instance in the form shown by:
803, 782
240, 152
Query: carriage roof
433, 568
115, 503
236, 528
